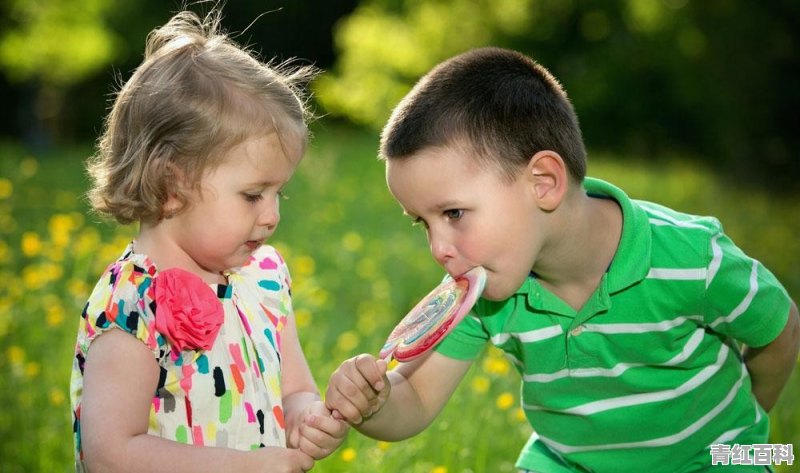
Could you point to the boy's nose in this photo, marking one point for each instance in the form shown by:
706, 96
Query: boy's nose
442, 251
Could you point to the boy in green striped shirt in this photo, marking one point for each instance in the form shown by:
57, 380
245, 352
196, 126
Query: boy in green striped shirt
643, 336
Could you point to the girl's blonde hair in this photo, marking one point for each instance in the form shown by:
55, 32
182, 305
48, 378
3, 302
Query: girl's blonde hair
196, 94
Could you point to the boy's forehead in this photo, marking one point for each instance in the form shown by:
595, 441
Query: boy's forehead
436, 178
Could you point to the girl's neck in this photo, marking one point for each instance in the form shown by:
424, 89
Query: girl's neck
166, 253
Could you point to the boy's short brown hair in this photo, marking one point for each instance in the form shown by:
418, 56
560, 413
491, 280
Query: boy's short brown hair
502, 104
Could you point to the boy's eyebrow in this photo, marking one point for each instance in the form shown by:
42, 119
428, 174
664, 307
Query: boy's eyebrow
447, 204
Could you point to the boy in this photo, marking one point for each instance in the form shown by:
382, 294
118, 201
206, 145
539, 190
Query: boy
643, 335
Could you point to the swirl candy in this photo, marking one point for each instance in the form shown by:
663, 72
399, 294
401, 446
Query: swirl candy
434, 316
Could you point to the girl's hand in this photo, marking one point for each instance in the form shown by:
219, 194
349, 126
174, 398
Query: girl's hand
358, 388
320, 433
280, 460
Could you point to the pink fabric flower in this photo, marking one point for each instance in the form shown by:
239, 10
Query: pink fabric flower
188, 312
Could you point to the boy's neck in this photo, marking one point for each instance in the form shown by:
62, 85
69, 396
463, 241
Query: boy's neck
587, 236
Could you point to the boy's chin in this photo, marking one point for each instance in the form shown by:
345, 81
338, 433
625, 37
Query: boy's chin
492, 294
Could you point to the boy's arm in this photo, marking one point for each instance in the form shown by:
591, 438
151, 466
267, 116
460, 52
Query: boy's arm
771, 365
417, 392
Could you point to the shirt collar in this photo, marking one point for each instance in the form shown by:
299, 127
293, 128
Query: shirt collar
632, 259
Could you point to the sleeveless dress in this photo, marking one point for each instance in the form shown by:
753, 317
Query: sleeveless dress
225, 396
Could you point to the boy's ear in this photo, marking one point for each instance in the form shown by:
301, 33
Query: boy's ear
547, 174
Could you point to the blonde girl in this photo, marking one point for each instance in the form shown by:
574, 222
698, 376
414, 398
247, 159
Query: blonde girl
187, 356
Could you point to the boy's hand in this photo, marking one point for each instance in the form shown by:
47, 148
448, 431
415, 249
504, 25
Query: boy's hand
358, 388
320, 433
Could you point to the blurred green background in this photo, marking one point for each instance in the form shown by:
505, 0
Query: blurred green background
690, 104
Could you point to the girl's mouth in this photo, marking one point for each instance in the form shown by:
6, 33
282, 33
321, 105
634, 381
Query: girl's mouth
253, 245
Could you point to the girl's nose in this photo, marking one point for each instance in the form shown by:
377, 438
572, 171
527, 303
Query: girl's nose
270, 215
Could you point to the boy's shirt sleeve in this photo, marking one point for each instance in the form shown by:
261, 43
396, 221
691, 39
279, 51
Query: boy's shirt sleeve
466, 341
744, 300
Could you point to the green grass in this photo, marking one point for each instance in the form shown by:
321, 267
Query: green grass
357, 267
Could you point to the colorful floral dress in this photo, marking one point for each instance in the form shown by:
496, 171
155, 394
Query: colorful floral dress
226, 396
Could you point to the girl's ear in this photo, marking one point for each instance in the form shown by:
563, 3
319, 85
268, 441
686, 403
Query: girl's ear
176, 187
548, 177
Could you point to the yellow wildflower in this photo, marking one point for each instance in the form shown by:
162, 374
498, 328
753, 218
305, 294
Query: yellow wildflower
57, 397
31, 244
78, 288
347, 341
28, 166
348, 454
32, 278
367, 268
439, 469
303, 266
302, 317
6, 188
5, 253
87, 241
495, 365
61, 226
55, 315
15, 354
384, 445
32, 369
480, 384
505, 401
352, 241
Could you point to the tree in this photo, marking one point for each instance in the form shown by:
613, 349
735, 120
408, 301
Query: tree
54, 44
710, 80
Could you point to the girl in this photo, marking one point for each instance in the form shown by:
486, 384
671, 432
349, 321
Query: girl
188, 340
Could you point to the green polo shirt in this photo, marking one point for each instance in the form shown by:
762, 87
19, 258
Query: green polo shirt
648, 374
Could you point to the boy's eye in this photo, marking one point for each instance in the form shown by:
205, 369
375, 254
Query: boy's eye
454, 214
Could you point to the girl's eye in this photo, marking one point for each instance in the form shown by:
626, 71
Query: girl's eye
283, 195
418, 222
253, 197
454, 214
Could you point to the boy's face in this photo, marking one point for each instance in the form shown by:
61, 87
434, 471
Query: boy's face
472, 216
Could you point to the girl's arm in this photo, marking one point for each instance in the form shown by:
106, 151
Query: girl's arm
771, 365
415, 394
120, 377
309, 425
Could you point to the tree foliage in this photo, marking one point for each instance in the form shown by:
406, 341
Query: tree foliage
649, 78
56, 42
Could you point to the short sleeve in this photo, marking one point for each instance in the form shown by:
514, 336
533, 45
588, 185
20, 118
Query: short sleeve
466, 341
744, 300
270, 273
124, 299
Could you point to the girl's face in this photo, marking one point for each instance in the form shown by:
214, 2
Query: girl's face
471, 215
237, 206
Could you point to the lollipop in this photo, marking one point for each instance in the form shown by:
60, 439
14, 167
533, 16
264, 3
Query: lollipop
434, 316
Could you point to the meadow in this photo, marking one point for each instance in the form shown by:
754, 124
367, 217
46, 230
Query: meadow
357, 265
